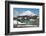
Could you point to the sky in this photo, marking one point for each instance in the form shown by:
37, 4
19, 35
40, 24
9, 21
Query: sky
17, 11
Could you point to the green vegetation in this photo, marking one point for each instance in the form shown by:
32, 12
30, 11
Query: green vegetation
27, 21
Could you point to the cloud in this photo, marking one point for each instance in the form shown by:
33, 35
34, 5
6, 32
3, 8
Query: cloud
29, 13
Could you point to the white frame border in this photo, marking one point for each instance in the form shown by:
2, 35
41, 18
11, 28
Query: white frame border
24, 29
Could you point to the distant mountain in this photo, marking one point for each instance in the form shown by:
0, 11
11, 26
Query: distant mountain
28, 13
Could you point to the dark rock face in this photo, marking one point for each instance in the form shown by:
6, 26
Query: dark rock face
27, 17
